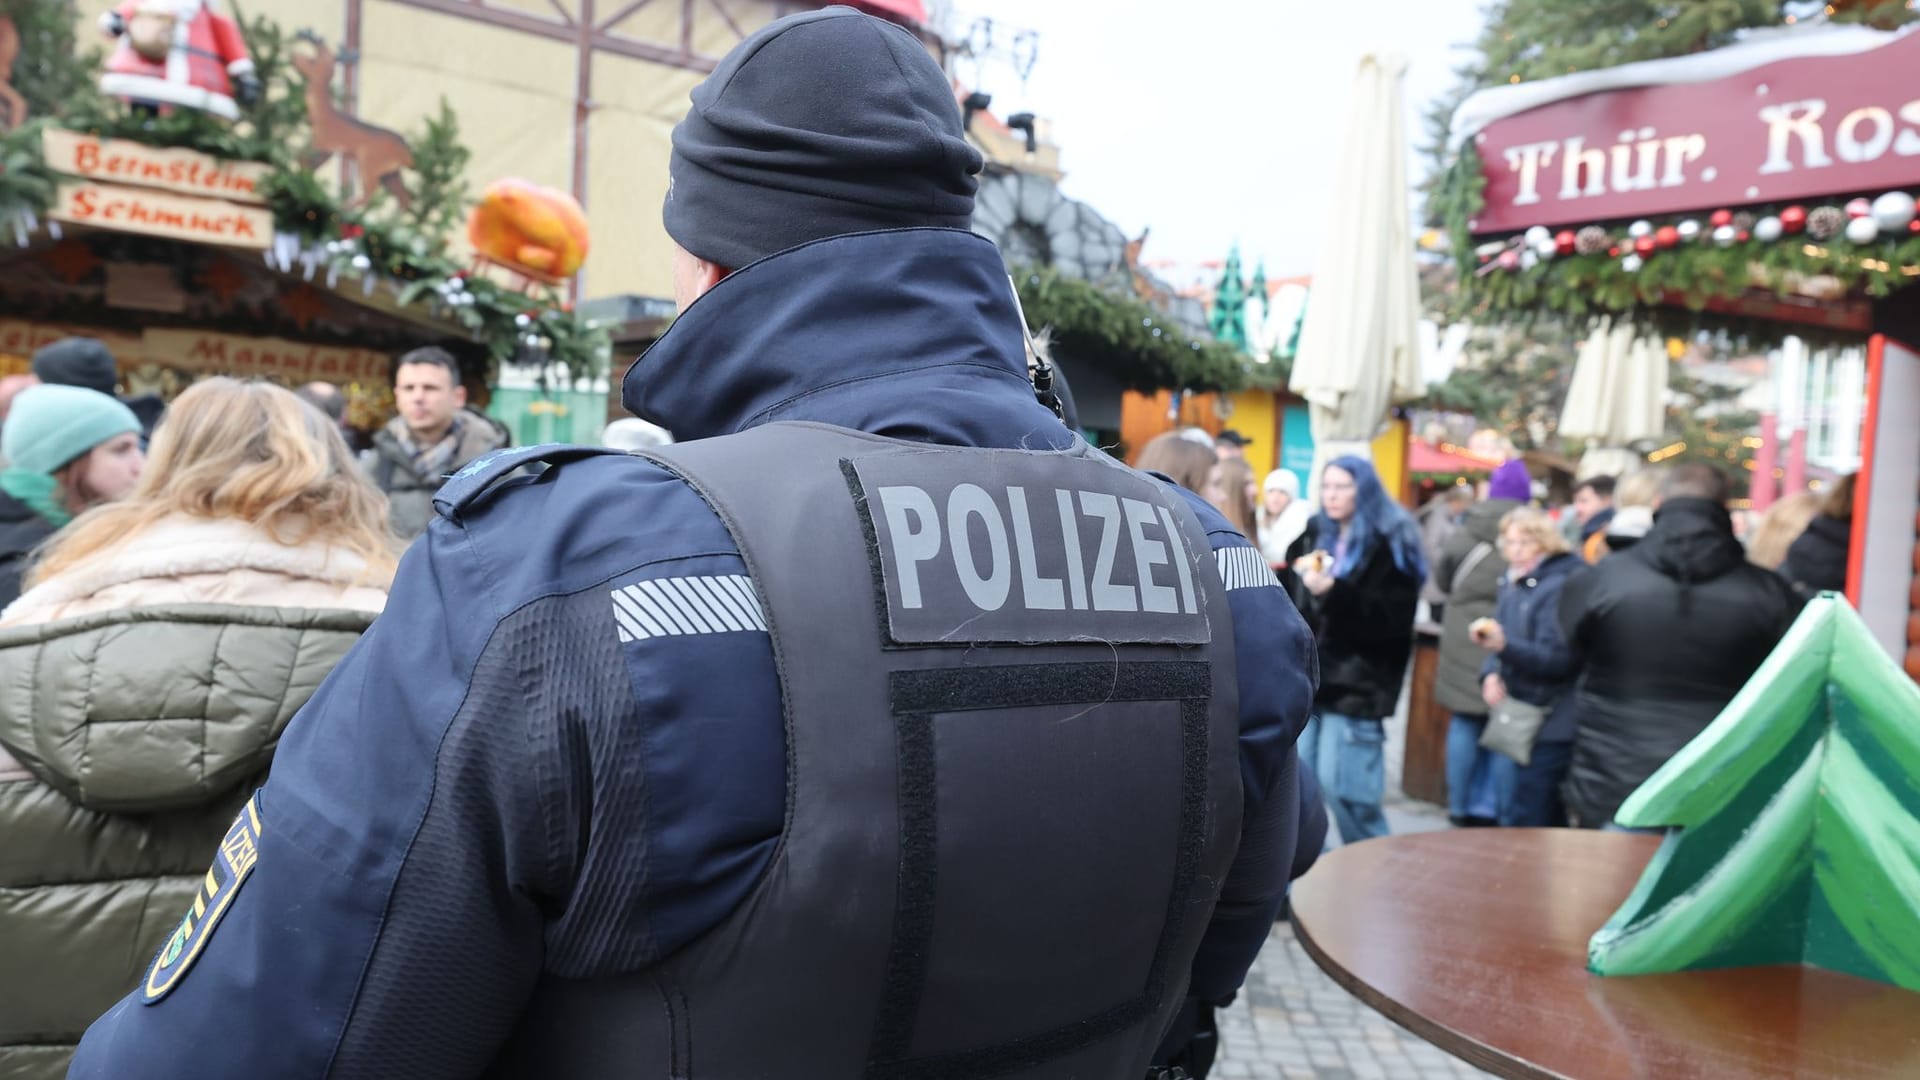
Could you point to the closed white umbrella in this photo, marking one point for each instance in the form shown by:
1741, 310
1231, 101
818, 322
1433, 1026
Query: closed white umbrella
1359, 346
1618, 397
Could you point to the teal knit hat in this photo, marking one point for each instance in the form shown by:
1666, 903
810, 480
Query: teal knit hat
48, 426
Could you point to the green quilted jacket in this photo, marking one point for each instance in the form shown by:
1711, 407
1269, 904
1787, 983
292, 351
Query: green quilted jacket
131, 740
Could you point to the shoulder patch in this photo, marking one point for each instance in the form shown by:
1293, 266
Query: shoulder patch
232, 864
477, 476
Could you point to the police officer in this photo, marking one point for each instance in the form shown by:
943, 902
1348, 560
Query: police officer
885, 729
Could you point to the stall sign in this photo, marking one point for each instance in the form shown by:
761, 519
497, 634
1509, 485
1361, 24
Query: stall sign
270, 358
154, 213
118, 161
21, 338
1793, 129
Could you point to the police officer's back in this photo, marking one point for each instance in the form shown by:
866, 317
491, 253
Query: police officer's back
883, 729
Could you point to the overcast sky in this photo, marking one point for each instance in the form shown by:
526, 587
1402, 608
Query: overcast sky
1214, 120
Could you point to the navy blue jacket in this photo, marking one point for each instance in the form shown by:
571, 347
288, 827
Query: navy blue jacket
468, 804
1538, 666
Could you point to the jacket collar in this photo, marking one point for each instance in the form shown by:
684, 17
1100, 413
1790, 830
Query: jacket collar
908, 333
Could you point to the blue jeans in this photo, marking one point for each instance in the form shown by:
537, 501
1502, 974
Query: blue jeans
1348, 756
1530, 794
1471, 791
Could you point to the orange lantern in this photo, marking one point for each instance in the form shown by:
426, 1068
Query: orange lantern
537, 232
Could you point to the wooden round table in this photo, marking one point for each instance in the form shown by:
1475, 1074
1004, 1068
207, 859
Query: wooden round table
1476, 940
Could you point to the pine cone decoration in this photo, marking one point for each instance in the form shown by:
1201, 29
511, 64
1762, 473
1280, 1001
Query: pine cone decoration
1743, 222
1592, 240
1826, 222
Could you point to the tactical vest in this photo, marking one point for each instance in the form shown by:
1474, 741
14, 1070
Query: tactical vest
1013, 782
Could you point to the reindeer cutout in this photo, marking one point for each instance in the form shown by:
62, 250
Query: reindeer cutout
13, 107
378, 155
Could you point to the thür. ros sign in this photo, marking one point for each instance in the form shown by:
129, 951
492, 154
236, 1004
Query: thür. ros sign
1795, 129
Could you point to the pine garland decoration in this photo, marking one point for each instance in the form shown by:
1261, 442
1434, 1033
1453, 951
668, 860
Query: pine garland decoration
1141, 347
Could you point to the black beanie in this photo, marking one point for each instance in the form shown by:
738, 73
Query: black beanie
77, 361
819, 124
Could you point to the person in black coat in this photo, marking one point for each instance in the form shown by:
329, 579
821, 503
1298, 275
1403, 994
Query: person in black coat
1531, 663
1360, 568
1817, 561
1670, 629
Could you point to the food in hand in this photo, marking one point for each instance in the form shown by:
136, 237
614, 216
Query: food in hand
1482, 628
1317, 562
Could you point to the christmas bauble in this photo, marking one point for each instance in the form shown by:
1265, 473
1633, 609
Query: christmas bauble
1640, 228
1767, 229
1793, 218
1894, 210
1742, 222
1863, 230
1720, 217
1591, 240
1825, 222
1858, 208
1666, 236
1564, 241
1530, 258
1632, 263
1546, 249
1536, 234
1509, 260
1724, 235
1689, 230
1643, 246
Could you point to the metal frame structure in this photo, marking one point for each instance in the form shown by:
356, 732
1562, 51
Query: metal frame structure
592, 27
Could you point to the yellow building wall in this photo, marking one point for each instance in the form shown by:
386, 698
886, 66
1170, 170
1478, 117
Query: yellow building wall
1256, 416
514, 95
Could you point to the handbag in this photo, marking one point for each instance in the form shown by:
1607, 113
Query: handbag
1511, 729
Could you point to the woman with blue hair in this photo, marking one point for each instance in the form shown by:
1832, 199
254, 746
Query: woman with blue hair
1360, 569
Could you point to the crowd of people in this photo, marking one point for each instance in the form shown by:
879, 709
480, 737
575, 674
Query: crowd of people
1577, 653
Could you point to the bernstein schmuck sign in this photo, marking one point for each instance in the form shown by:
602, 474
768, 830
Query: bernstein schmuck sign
177, 194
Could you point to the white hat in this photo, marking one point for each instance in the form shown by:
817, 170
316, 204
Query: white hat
632, 434
1282, 480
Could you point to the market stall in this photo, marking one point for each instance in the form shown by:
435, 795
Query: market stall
1766, 190
184, 221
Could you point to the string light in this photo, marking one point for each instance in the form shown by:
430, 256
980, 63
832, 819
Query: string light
1514, 78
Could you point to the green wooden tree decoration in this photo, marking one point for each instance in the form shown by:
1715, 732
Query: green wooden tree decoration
1258, 290
1798, 818
1228, 320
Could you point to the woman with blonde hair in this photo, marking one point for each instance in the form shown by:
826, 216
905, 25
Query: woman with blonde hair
1181, 459
1531, 672
162, 645
1229, 488
1783, 523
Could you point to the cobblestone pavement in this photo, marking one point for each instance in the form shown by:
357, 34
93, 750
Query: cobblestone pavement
1294, 1022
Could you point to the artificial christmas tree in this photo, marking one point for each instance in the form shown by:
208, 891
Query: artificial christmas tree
1228, 317
1798, 822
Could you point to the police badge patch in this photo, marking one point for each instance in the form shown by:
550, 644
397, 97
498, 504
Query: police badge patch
239, 850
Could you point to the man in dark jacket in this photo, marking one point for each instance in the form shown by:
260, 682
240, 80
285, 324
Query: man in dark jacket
1671, 629
883, 728
434, 436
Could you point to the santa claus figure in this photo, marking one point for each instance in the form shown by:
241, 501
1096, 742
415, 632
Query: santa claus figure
178, 53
